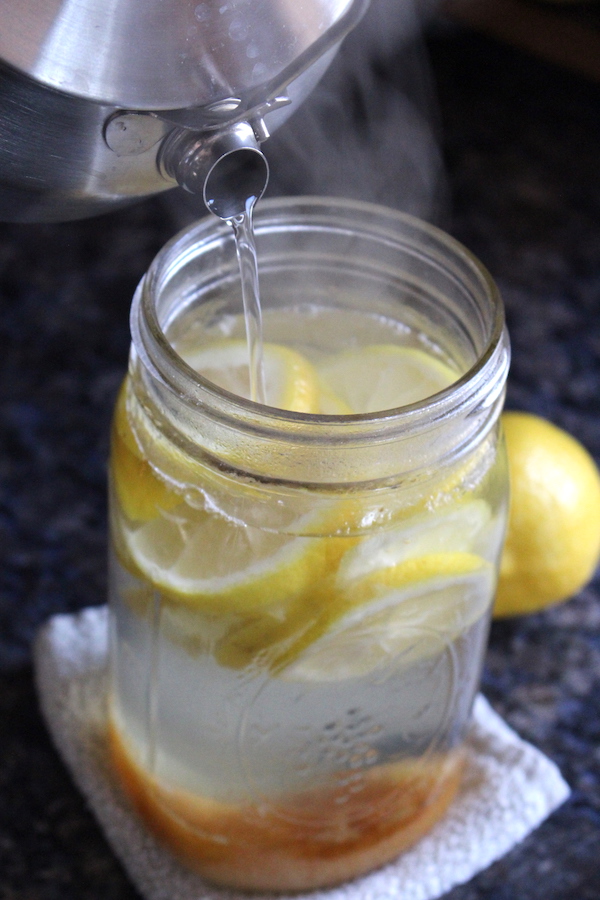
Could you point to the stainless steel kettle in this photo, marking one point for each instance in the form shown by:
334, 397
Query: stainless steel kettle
106, 101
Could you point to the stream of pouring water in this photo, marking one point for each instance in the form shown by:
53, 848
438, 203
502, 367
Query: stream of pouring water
245, 246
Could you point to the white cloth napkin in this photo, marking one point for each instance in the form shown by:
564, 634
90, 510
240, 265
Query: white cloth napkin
509, 787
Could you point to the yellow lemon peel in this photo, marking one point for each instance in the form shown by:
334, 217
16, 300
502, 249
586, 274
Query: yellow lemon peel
553, 538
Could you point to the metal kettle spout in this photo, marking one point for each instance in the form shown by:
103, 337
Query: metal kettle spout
226, 169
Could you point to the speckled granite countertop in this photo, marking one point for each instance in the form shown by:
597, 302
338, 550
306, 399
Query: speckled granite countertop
521, 142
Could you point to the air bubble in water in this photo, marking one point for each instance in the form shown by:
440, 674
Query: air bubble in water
259, 70
202, 12
238, 30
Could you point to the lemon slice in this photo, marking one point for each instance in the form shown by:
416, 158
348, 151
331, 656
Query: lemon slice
330, 403
383, 376
215, 564
455, 530
399, 616
290, 379
142, 494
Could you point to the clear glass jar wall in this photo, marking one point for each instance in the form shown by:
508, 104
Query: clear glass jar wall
300, 601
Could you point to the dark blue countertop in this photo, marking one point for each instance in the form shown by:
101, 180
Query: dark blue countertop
522, 150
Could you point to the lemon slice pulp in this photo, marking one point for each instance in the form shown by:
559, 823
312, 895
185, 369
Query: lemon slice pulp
384, 376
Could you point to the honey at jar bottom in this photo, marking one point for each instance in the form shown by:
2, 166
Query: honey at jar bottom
310, 839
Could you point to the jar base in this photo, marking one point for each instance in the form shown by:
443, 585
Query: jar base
314, 839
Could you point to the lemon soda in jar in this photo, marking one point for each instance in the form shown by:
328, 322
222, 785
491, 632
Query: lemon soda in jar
300, 590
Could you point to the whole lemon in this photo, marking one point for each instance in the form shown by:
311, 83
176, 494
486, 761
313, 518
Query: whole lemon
553, 538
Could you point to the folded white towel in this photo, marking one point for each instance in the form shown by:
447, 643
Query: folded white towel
509, 787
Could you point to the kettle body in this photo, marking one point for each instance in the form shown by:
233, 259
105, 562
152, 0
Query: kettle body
100, 102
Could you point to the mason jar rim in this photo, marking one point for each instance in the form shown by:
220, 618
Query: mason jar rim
364, 219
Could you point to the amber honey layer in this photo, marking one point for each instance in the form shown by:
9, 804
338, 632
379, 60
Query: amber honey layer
302, 841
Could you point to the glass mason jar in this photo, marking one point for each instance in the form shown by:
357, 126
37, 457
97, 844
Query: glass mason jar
300, 601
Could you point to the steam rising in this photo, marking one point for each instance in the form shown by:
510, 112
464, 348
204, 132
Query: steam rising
368, 130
